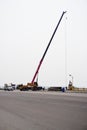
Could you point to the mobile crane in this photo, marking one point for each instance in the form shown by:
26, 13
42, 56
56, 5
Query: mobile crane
34, 85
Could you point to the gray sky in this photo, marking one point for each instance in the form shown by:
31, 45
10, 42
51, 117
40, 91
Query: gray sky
25, 30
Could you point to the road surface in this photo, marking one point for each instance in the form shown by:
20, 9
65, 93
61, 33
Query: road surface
43, 111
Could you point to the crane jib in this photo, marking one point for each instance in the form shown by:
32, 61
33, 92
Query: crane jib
37, 70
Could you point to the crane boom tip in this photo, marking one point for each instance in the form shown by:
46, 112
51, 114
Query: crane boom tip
64, 11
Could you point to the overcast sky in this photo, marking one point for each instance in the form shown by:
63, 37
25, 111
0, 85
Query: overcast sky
26, 27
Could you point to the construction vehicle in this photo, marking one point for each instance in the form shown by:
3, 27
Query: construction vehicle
70, 86
34, 85
55, 88
9, 87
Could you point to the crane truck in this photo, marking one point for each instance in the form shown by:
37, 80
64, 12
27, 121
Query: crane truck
34, 85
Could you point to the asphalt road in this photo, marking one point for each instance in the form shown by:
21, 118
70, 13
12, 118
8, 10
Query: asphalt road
42, 111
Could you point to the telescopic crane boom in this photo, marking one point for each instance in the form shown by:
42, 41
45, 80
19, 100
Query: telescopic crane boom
37, 70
